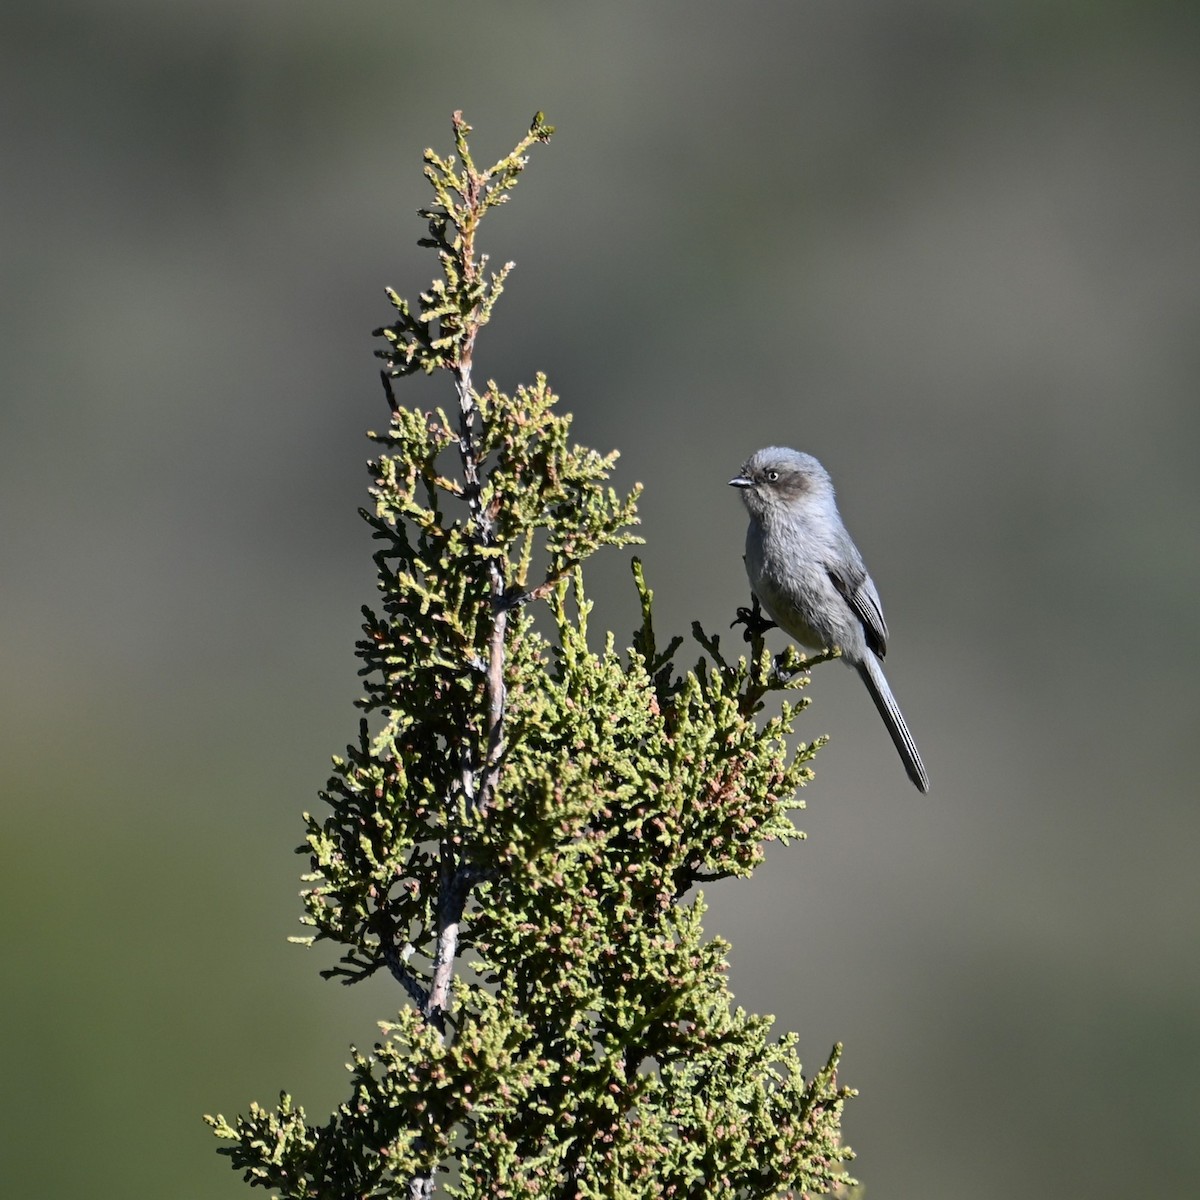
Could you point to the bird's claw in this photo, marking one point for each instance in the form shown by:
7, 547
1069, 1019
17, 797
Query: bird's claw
754, 621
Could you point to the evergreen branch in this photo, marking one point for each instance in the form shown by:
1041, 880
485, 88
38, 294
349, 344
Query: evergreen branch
550, 808
484, 787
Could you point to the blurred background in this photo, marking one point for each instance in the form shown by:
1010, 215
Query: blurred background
952, 249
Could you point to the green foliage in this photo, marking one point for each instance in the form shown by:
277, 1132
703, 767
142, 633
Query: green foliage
519, 830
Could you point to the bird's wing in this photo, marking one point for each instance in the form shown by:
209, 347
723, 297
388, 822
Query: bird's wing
855, 587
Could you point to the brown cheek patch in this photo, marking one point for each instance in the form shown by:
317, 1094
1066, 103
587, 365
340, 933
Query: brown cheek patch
792, 487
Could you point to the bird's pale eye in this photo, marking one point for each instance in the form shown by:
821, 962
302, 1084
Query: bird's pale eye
773, 476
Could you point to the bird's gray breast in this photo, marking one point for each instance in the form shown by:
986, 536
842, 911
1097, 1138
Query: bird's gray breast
790, 581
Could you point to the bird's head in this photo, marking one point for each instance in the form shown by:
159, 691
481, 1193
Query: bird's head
777, 478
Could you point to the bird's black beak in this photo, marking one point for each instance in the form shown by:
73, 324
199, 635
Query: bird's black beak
741, 482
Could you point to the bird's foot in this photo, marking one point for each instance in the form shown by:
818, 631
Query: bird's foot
752, 618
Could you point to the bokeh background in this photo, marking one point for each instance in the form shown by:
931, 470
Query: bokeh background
953, 249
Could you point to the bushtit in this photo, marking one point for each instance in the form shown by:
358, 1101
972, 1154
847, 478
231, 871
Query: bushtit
810, 577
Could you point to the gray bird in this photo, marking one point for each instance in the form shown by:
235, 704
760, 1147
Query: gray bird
809, 576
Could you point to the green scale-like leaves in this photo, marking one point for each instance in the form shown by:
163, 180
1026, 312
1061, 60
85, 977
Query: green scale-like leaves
424, 657
518, 833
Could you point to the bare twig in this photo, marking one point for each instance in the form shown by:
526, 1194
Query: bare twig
454, 884
397, 963
386, 379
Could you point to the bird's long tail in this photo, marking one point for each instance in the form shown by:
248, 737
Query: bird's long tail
889, 710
